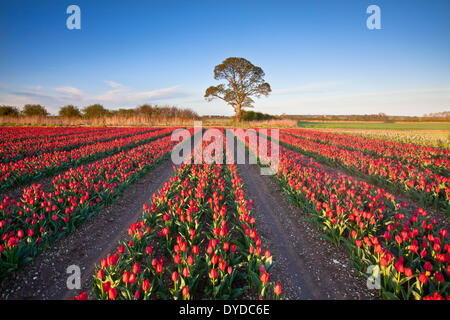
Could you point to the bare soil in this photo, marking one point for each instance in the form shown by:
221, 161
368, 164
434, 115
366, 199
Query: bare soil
17, 192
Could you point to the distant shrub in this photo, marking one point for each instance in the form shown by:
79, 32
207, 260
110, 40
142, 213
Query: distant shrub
69, 111
9, 111
30, 110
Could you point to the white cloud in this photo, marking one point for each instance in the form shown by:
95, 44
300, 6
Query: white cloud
314, 98
120, 96
125, 96
70, 92
113, 84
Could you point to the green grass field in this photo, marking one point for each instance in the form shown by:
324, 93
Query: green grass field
377, 125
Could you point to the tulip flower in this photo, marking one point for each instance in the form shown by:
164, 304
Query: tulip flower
185, 292
277, 289
112, 293
174, 276
145, 285
264, 277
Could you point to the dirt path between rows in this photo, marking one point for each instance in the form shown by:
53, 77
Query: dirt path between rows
307, 267
45, 277
17, 192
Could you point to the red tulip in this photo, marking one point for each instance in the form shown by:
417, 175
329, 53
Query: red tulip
106, 286
145, 285
277, 289
112, 293
423, 278
213, 274
439, 277
136, 268
185, 291
82, 296
264, 277
125, 277
408, 272
214, 259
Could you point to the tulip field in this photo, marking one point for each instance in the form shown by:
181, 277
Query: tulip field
386, 202
408, 247
39, 217
422, 172
205, 239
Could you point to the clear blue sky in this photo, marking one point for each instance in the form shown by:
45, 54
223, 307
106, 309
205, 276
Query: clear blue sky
318, 56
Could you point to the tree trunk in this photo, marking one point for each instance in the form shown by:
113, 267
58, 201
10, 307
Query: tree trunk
238, 113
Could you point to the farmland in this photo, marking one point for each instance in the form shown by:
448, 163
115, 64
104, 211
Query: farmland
402, 126
111, 201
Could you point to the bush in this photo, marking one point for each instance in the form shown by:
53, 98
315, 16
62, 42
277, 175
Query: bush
95, 111
252, 116
34, 110
69, 111
9, 111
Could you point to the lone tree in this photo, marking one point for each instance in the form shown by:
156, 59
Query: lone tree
244, 80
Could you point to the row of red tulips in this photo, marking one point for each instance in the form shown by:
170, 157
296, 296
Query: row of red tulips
29, 224
29, 169
197, 240
429, 188
36, 133
433, 158
407, 249
17, 150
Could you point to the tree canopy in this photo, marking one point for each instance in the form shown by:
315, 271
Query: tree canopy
9, 111
244, 80
94, 111
69, 111
34, 110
